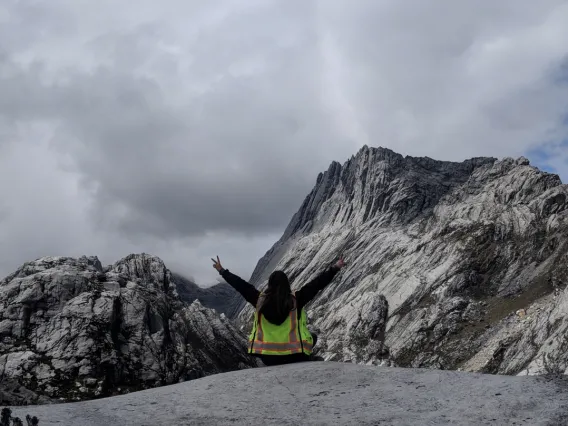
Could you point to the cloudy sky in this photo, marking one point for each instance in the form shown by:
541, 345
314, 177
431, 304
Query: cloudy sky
189, 129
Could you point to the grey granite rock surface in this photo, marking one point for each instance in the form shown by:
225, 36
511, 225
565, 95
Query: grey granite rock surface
471, 258
73, 330
327, 393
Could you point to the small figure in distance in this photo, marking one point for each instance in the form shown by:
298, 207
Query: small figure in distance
280, 333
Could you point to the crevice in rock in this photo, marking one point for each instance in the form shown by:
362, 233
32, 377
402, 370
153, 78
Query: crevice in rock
116, 323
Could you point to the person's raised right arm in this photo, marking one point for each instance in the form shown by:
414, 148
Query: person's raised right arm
311, 289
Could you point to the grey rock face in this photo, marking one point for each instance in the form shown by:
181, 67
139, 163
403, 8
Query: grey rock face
471, 258
71, 329
13, 394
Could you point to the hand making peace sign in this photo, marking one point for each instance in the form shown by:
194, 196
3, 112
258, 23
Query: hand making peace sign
217, 264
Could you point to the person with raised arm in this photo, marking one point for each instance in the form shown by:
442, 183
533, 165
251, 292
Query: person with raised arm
280, 332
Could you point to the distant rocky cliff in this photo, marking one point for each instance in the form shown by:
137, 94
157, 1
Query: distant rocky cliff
72, 329
469, 259
218, 297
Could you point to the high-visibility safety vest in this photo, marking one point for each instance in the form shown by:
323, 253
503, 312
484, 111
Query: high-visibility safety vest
290, 337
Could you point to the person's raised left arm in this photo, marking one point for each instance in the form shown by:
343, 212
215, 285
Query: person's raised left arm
247, 290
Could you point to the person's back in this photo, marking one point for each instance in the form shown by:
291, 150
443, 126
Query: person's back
280, 334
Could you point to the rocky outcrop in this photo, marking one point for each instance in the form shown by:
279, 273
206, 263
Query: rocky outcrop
218, 297
13, 393
471, 259
71, 329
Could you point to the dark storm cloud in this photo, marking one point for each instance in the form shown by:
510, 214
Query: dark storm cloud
233, 156
178, 126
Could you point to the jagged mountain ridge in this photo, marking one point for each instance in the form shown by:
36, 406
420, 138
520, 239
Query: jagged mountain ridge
383, 194
456, 248
71, 329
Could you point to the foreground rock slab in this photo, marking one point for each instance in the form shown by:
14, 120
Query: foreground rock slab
327, 393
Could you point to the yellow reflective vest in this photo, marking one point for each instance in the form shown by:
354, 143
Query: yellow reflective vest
290, 337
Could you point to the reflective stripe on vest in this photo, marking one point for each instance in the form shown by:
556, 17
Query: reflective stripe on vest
262, 342
295, 347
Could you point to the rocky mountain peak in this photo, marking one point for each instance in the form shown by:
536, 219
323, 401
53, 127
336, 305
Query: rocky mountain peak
378, 183
455, 248
71, 329
144, 269
84, 263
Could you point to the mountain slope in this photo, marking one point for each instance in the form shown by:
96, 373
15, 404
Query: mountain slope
471, 257
71, 329
327, 393
218, 297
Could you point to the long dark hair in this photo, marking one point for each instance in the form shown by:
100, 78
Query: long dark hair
278, 295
